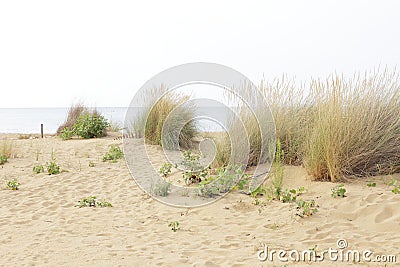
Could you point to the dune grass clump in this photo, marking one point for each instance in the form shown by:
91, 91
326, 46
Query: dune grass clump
339, 126
7, 151
150, 121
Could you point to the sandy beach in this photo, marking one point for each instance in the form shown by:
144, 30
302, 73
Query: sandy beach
41, 225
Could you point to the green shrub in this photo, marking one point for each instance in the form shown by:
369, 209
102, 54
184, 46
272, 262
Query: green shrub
53, 167
66, 134
90, 125
13, 184
113, 154
38, 169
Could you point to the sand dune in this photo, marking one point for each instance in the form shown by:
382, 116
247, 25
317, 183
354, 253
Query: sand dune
41, 226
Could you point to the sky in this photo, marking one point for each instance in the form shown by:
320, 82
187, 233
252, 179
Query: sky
53, 53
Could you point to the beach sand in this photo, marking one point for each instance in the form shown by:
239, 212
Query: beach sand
40, 224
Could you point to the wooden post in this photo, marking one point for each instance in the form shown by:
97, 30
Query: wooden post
41, 129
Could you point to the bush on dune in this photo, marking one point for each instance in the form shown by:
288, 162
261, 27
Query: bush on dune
83, 123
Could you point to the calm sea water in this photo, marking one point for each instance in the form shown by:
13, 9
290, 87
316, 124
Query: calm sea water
28, 120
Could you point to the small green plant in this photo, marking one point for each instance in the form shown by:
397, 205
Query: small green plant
371, 184
306, 208
90, 125
66, 134
174, 226
38, 169
91, 201
194, 172
113, 154
165, 169
396, 186
3, 159
338, 191
13, 184
92, 164
52, 167
162, 188
226, 178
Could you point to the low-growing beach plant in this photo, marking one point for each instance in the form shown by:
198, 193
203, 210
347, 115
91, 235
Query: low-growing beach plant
371, 184
90, 125
91, 201
53, 167
13, 184
226, 178
165, 169
338, 191
174, 226
113, 154
3, 159
92, 164
74, 112
193, 172
66, 134
38, 168
162, 188
306, 208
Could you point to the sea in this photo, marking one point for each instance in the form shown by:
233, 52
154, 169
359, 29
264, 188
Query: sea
28, 120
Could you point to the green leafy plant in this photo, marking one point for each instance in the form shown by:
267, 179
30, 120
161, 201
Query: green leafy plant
371, 184
174, 226
306, 208
162, 188
225, 179
113, 154
13, 184
92, 164
90, 125
338, 191
396, 186
165, 169
92, 202
52, 167
67, 134
3, 159
38, 169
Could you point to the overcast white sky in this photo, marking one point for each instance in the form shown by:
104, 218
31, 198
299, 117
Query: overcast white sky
55, 52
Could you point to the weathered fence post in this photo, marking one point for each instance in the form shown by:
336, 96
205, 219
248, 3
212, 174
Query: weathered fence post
41, 129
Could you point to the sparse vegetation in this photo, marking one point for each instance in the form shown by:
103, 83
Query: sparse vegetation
165, 169
113, 154
3, 159
92, 164
338, 191
371, 184
52, 167
7, 151
38, 168
13, 184
174, 226
162, 188
92, 202
306, 208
